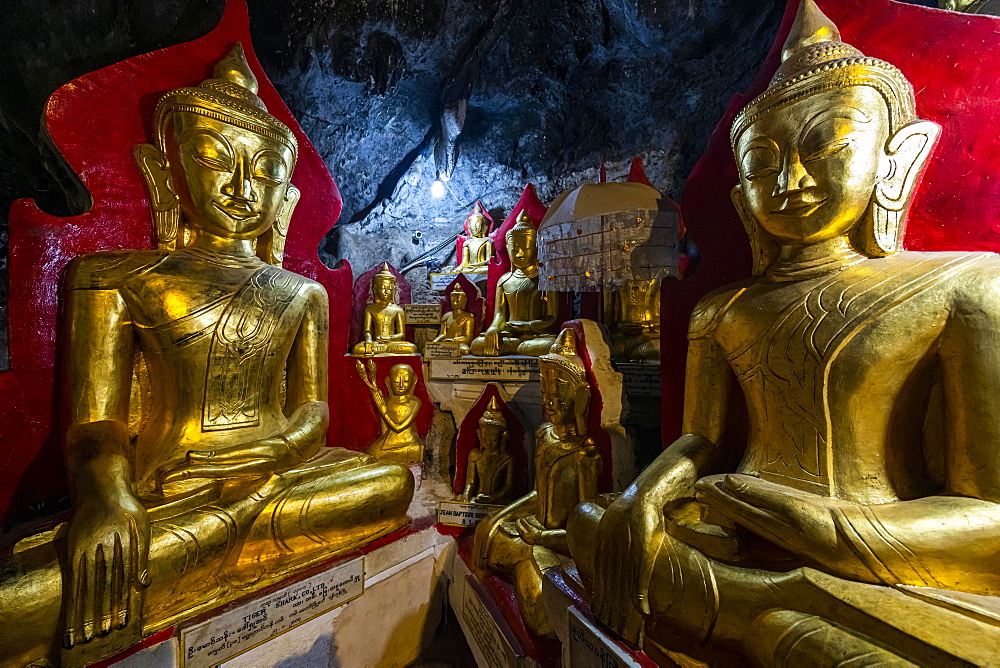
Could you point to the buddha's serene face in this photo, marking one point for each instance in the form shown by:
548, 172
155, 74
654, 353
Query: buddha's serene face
522, 249
477, 226
231, 181
489, 435
401, 380
458, 300
383, 289
808, 170
558, 393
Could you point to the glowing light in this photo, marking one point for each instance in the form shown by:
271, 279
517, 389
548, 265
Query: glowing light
437, 189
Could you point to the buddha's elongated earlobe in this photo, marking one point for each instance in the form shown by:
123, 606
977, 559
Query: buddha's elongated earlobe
163, 200
906, 153
271, 244
762, 247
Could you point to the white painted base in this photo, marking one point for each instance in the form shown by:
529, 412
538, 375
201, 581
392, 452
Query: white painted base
388, 625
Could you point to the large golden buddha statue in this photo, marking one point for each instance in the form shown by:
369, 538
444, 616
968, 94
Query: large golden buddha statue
196, 401
859, 522
527, 537
523, 317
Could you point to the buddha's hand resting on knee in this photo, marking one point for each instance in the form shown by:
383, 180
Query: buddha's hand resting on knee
108, 552
628, 539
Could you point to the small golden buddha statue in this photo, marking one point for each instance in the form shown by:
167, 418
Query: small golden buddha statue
489, 472
457, 325
477, 250
860, 517
398, 440
522, 316
222, 483
634, 311
382, 323
528, 537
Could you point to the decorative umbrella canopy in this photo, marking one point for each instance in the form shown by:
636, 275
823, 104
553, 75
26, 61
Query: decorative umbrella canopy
604, 235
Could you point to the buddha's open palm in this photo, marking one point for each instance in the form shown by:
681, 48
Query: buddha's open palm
108, 551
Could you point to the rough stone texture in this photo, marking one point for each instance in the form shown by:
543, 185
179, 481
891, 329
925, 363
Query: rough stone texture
495, 93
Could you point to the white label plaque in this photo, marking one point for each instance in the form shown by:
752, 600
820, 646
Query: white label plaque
518, 369
464, 514
589, 647
640, 380
422, 314
441, 349
495, 650
247, 626
440, 281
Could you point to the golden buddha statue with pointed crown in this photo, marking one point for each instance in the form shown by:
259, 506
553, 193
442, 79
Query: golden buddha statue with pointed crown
854, 518
383, 325
489, 470
528, 537
196, 400
523, 317
477, 251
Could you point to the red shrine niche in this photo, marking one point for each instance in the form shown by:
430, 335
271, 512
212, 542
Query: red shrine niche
955, 71
468, 439
95, 121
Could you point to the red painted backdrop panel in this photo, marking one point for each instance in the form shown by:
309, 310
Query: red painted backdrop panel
953, 62
95, 121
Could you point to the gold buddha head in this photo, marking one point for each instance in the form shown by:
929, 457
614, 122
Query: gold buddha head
476, 222
491, 427
401, 380
223, 160
384, 285
832, 148
458, 299
564, 386
521, 243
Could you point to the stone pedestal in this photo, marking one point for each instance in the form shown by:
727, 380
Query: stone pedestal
375, 607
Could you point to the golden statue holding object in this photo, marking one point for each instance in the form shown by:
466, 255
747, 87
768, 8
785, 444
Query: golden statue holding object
523, 317
527, 537
382, 322
457, 325
489, 472
861, 523
398, 440
477, 250
214, 480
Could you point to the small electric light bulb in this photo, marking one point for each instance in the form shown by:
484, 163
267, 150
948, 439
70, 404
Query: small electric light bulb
437, 189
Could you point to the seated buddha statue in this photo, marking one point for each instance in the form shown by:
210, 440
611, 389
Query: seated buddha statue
523, 317
457, 325
222, 483
382, 322
398, 440
477, 250
489, 471
635, 316
528, 537
855, 519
